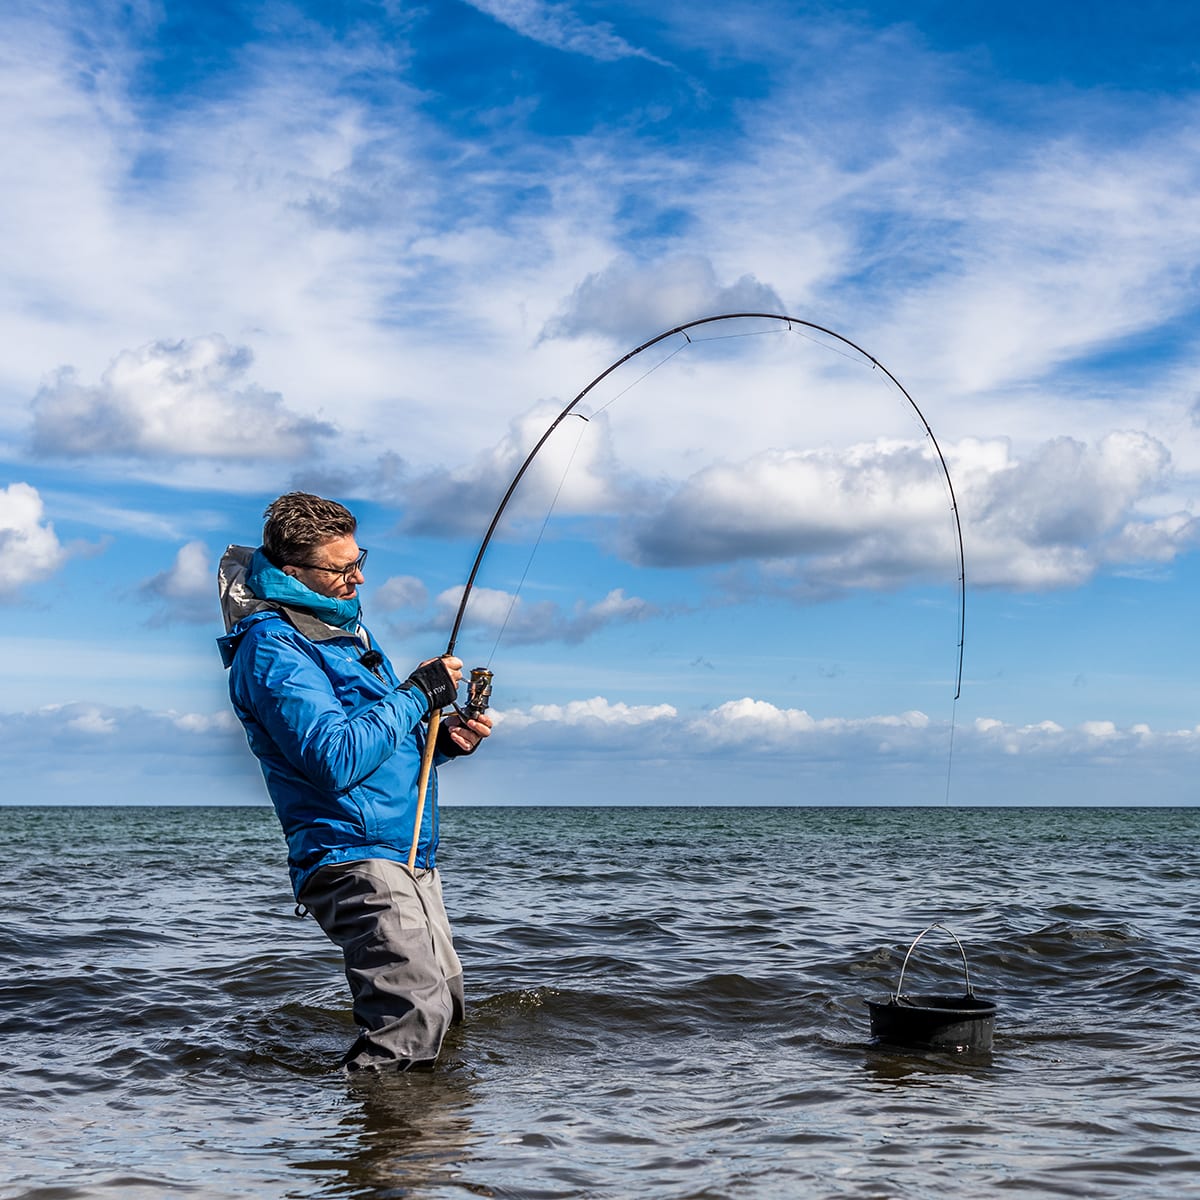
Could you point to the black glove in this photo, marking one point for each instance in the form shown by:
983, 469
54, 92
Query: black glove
434, 680
448, 747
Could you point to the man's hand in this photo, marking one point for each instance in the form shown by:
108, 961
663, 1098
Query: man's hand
466, 735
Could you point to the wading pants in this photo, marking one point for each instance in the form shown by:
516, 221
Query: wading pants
404, 975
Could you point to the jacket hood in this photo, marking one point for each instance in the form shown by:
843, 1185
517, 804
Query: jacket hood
237, 600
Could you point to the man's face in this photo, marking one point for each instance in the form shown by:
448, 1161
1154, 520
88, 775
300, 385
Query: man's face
330, 569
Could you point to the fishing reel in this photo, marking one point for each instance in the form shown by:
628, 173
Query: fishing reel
479, 694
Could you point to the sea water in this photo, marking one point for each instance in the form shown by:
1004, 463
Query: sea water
662, 1002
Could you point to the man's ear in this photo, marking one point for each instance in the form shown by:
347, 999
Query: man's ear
289, 571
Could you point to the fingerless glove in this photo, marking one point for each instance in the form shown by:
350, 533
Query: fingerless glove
434, 680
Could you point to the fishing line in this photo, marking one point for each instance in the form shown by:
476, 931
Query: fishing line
729, 337
832, 349
538, 540
950, 754
661, 363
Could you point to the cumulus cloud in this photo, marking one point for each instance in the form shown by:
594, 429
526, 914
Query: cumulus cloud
29, 548
1096, 738
187, 588
573, 472
1057, 515
632, 300
557, 26
798, 502
524, 623
178, 400
879, 515
400, 592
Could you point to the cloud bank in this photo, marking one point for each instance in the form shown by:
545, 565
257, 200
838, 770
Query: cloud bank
89, 753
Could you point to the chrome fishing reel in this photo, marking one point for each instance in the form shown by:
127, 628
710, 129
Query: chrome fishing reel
479, 693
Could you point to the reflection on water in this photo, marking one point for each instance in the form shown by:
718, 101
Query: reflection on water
397, 1133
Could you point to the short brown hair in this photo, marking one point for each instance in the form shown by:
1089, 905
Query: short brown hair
298, 522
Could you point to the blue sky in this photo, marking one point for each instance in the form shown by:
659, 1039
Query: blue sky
371, 249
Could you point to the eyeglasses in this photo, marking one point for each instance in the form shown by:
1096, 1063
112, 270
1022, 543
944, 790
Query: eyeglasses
345, 572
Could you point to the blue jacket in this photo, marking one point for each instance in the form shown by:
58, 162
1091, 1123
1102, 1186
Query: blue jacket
339, 742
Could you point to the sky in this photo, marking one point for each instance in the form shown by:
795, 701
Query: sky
372, 249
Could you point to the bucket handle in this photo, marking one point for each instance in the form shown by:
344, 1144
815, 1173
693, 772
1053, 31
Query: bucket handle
904, 965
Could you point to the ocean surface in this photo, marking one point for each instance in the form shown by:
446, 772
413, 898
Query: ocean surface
662, 1003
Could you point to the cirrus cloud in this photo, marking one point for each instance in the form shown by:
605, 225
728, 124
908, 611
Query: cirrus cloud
557, 26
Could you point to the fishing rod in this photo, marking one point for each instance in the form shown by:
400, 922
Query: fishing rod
790, 322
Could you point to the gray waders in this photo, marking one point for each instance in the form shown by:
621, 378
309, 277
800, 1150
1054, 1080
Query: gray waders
404, 975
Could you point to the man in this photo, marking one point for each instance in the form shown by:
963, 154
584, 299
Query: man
339, 737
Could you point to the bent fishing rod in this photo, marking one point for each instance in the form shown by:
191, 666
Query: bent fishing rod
679, 330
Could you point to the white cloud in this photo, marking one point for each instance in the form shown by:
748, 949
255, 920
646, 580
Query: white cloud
744, 726
555, 25
185, 399
52, 728
748, 723
400, 592
573, 472
188, 588
29, 549
878, 514
1077, 246
92, 722
278, 206
632, 300
204, 723
1097, 740
596, 713
1066, 510
543, 621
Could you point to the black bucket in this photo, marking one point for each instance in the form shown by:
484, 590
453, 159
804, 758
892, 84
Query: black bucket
964, 1022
